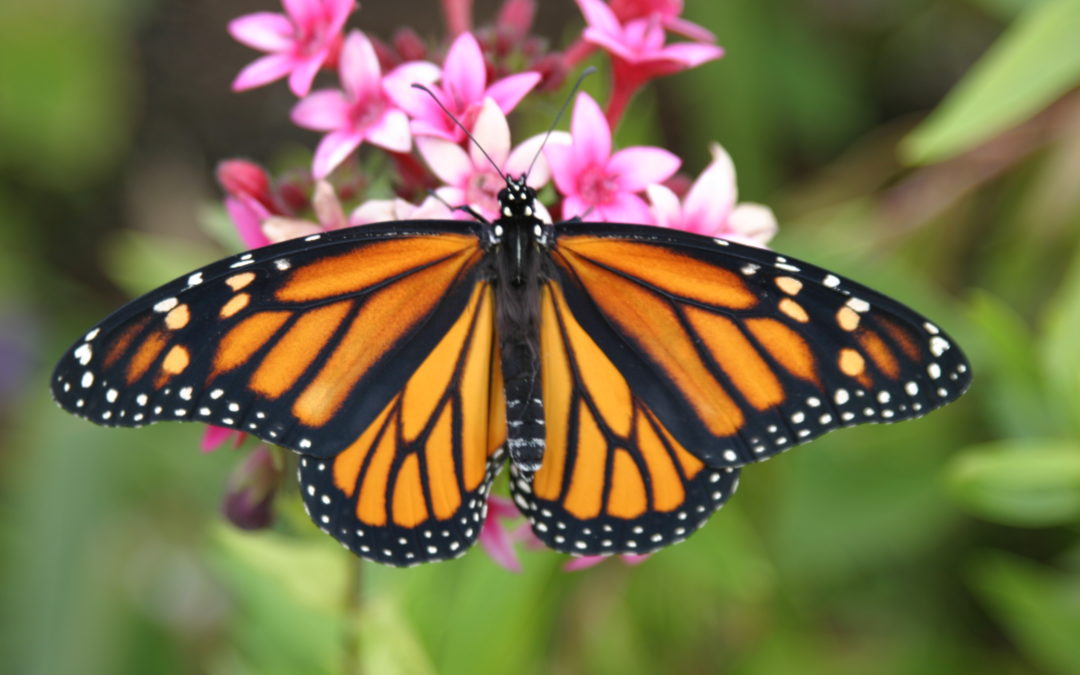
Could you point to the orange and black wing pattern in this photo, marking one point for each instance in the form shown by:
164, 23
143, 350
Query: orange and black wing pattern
613, 479
741, 353
303, 344
413, 486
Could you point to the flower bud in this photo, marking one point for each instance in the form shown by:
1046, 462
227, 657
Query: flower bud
249, 497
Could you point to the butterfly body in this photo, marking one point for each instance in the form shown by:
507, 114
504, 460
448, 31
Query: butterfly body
629, 372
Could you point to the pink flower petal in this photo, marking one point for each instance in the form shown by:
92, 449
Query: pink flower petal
278, 229
575, 207
612, 43
323, 110
391, 131
692, 54
564, 168
304, 72
265, 31
752, 224
464, 72
509, 91
359, 68
327, 207
690, 30
625, 208
214, 437
398, 84
592, 136
583, 562
303, 12
598, 15
712, 196
523, 155
263, 71
248, 215
492, 133
446, 159
639, 167
665, 206
496, 540
338, 12
332, 151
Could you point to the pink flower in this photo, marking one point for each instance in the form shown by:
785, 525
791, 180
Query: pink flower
497, 541
214, 437
363, 111
248, 214
299, 42
587, 561
638, 51
386, 210
666, 11
463, 90
600, 185
710, 209
252, 486
470, 178
328, 214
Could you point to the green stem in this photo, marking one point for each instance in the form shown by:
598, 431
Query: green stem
352, 664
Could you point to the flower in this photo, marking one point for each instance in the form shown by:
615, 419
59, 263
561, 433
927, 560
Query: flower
248, 214
463, 90
597, 183
363, 111
469, 176
586, 561
214, 437
638, 51
709, 207
252, 486
385, 210
300, 42
497, 541
666, 11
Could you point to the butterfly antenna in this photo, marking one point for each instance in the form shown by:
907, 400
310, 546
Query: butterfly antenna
456, 121
558, 116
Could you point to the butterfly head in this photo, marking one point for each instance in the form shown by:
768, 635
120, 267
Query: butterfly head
517, 200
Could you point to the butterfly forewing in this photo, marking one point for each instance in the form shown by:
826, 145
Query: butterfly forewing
613, 478
743, 353
301, 344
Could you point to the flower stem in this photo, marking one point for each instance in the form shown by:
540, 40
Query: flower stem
352, 664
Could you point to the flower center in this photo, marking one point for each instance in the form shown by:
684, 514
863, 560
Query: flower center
367, 111
597, 186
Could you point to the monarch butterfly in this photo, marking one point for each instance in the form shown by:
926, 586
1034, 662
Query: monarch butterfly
627, 372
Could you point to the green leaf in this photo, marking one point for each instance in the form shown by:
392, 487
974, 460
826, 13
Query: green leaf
1058, 348
1029, 483
140, 261
1039, 608
1033, 63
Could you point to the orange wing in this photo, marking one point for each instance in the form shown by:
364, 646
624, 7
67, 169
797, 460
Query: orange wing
413, 486
613, 478
742, 353
302, 344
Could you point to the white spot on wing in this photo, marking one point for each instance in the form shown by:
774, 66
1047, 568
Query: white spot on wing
166, 305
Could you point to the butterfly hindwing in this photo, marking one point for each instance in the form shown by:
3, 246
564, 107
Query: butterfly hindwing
613, 479
743, 353
301, 344
412, 487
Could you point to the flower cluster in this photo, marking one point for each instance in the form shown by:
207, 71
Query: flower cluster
358, 92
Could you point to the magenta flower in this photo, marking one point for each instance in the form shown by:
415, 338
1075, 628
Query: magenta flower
363, 111
328, 215
252, 486
586, 561
248, 215
600, 185
638, 51
668, 12
385, 210
497, 541
300, 42
472, 180
214, 437
462, 90
709, 207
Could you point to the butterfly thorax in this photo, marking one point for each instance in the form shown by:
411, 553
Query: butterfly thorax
518, 240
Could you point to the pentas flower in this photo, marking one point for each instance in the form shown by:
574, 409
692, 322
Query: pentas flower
668, 12
498, 542
249, 496
587, 561
363, 111
463, 89
386, 210
469, 176
215, 437
248, 215
300, 42
600, 184
638, 51
709, 207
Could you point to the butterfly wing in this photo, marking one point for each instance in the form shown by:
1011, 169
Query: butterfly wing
613, 478
279, 342
742, 353
370, 351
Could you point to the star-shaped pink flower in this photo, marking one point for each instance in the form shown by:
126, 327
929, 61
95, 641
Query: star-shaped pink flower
638, 51
709, 207
470, 178
462, 89
363, 111
600, 185
669, 13
300, 42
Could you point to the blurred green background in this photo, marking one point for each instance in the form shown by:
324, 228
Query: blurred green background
930, 149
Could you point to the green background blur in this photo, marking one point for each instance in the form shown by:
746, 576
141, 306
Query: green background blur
930, 149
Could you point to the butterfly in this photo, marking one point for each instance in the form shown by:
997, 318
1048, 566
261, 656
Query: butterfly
625, 372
